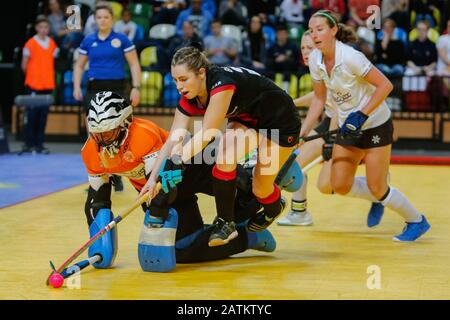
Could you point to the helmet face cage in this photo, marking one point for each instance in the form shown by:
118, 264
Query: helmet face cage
107, 138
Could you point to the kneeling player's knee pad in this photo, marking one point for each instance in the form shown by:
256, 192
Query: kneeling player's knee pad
156, 249
105, 246
293, 179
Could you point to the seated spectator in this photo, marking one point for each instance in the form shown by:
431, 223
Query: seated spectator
209, 6
422, 53
265, 9
424, 11
232, 12
255, 7
90, 3
358, 11
337, 6
126, 26
200, 19
366, 41
283, 57
179, 41
292, 12
65, 37
91, 26
443, 47
220, 50
167, 12
390, 51
57, 20
400, 14
254, 46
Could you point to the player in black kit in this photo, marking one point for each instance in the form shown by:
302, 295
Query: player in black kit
249, 101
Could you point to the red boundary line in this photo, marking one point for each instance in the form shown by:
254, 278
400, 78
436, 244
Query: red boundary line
421, 160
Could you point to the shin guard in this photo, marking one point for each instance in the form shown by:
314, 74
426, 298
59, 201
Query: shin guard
106, 246
156, 249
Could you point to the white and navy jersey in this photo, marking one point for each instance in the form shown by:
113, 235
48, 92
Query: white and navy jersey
349, 91
330, 106
249, 88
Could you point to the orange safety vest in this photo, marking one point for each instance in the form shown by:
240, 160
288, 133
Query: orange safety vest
40, 73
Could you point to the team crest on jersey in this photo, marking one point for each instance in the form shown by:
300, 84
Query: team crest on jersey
95, 44
341, 97
116, 43
129, 156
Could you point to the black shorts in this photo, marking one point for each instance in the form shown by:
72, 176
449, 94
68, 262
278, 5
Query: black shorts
371, 138
275, 111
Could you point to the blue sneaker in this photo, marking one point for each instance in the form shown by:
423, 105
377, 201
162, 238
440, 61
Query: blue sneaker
375, 214
261, 241
413, 231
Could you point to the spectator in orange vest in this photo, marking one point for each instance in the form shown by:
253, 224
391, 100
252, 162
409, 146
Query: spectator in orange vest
38, 64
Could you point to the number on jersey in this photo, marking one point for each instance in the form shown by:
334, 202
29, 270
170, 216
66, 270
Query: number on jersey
241, 70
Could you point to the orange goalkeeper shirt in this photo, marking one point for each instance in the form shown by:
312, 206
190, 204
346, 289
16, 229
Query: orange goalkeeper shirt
135, 158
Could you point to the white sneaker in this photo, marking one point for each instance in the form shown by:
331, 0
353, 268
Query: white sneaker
294, 218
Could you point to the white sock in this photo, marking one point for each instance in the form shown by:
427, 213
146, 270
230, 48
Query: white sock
400, 204
299, 197
361, 190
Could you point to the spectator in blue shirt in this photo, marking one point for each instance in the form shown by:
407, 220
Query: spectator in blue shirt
220, 50
184, 40
199, 17
107, 52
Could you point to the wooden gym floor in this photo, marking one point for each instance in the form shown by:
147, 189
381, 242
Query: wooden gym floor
333, 259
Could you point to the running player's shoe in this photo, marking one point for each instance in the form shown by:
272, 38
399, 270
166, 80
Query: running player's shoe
260, 221
413, 231
222, 233
296, 218
375, 214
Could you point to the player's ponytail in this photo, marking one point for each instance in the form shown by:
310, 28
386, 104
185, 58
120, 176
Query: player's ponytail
346, 34
192, 56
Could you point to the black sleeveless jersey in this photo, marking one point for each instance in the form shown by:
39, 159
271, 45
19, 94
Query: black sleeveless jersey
249, 88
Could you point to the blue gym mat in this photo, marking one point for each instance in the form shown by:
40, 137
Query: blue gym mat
26, 177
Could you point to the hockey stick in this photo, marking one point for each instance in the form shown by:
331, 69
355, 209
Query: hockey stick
77, 267
99, 234
285, 168
310, 165
320, 135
